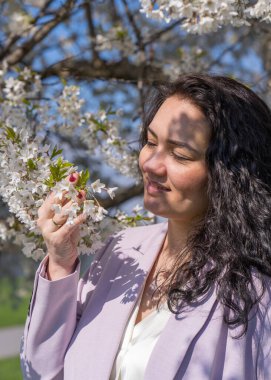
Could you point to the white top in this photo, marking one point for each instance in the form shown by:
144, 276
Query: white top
137, 344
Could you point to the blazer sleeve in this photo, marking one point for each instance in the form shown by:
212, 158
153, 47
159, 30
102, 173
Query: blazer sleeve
54, 311
263, 335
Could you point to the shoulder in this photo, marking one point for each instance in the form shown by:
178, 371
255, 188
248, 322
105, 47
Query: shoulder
128, 252
139, 238
135, 239
130, 242
140, 232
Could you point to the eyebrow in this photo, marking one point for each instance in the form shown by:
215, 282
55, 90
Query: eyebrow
177, 143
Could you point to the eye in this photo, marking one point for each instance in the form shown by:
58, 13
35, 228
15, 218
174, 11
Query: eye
179, 157
150, 143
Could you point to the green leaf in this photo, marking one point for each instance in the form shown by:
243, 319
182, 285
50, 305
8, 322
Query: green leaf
26, 101
121, 34
66, 164
30, 234
100, 126
82, 181
58, 170
49, 182
12, 135
31, 164
53, 170
56, 152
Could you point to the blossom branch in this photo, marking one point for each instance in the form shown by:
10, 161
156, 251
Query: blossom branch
14, 37
31, 169
21, 51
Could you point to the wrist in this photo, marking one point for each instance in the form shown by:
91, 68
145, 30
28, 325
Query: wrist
57, 269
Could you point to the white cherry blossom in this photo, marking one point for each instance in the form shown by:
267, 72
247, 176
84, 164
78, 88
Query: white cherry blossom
205, 16
30, 171
111, 192
97, 186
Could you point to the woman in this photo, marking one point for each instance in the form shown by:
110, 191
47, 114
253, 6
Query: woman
187, 299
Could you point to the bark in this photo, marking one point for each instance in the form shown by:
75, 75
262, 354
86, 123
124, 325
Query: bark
98, 69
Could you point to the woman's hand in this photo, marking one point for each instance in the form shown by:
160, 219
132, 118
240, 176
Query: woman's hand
61, 239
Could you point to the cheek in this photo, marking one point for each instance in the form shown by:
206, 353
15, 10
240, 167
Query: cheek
192, 179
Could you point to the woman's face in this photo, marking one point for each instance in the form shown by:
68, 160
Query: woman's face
173, 162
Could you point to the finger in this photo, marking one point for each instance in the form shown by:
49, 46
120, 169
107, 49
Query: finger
48, 219
80, 219
52, 198
46, 211
61, 218
67, 229
75, 234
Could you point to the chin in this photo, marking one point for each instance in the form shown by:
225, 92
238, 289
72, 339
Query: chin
155, 209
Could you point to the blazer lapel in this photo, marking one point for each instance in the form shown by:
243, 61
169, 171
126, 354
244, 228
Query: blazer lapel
172, 353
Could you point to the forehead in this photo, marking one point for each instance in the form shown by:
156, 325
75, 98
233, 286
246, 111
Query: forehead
179, 119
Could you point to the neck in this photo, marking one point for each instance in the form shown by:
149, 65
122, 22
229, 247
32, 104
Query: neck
175, 242
177, 236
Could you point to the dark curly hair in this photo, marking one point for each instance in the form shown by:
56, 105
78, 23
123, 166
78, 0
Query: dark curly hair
232, 244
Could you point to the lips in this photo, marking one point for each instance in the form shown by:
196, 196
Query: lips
156, 186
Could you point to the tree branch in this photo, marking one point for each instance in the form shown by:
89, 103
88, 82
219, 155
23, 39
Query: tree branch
21, 51
15, 37
228, 49
141, 48
86, 70
91, 29
157, 35
136, 30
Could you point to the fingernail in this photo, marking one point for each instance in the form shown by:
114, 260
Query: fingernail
72, 178
79, 195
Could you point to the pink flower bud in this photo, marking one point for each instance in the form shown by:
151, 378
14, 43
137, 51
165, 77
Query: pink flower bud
72, 178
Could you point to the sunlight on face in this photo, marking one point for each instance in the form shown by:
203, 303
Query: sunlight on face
173, 161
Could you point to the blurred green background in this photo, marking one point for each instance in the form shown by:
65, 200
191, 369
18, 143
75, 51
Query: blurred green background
10, 369
16, 279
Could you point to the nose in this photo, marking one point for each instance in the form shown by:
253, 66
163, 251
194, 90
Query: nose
155, 164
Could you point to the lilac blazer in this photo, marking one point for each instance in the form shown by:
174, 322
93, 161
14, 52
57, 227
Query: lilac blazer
74, 327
